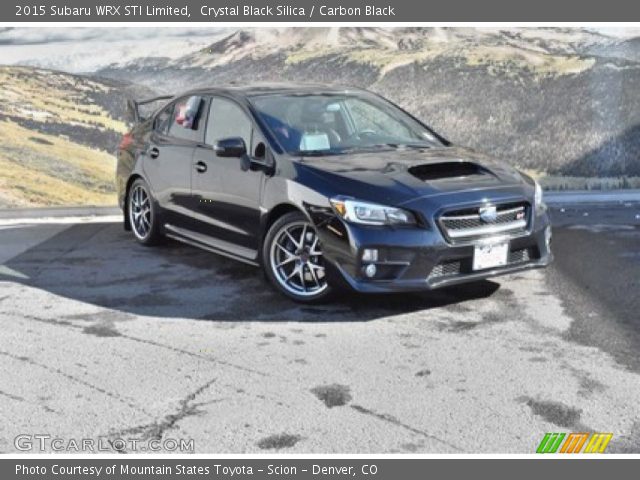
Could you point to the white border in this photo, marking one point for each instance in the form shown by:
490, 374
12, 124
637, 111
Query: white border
315, 456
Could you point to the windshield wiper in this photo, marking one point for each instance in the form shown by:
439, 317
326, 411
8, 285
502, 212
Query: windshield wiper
315, 153
356, 149
409, 145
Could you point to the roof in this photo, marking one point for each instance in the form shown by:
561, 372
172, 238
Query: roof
249, 90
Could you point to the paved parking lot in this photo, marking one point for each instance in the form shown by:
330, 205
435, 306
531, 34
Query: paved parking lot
104, 339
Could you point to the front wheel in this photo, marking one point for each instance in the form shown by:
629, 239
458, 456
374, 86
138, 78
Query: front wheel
293, 260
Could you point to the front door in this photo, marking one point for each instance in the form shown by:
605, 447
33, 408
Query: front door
226, 196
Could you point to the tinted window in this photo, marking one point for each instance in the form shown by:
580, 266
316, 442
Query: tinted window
368, 118
163, 119
227, 119
185, 121
308, 124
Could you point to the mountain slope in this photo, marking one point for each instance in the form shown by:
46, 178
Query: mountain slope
558, 101
56, 132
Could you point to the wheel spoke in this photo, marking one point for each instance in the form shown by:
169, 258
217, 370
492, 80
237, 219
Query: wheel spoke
293, 273
312, 251
303, 283
302, 236
313, 266
292, 258
287, 252
293, 240
313, 275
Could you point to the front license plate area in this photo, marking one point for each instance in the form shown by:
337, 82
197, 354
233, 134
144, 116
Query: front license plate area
490, 255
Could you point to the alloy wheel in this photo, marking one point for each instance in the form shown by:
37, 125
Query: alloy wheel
297, 260
140, 214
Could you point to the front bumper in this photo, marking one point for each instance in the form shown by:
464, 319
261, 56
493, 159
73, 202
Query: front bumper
413, 259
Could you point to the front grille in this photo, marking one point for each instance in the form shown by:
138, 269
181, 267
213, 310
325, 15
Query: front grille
473, 223
519, 256
445, 269
450, 268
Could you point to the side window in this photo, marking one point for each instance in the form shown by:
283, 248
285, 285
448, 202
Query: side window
161, 123
185, 119
227, 119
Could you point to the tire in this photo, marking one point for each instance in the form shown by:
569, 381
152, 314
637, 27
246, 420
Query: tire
143, 215
293, 261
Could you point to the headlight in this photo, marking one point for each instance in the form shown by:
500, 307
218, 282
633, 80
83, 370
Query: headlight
538, 195
371, 213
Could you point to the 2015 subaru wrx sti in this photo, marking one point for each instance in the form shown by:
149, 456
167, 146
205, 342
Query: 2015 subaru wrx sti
323, 186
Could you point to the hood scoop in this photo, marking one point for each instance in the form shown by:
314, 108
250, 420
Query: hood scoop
447, 170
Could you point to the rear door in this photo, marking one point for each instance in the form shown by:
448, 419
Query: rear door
226, 196
168, 159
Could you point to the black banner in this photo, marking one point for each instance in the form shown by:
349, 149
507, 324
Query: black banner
302, 11
306, 469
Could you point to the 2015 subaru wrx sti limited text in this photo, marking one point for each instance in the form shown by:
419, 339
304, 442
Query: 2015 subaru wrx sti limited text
323, 186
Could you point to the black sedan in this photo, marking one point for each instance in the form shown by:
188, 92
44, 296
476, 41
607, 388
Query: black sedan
323, 187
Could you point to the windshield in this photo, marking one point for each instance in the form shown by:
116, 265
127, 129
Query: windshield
324, 124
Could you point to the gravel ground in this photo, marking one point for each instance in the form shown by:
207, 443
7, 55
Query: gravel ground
104, 339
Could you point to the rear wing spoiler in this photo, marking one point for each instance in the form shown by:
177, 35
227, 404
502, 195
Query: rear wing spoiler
133, 106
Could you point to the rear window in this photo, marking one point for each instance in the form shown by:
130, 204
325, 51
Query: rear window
163, 119
184, 119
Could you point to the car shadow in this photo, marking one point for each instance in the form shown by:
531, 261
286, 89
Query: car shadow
100, 264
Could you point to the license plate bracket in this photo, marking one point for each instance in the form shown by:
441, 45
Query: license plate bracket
490, 255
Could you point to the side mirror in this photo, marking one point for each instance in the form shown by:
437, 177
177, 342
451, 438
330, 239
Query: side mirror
230, 147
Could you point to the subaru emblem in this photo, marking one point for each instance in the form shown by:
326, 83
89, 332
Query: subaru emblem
488, 214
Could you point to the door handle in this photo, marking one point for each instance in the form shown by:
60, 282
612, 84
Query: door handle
154, 152
201, 167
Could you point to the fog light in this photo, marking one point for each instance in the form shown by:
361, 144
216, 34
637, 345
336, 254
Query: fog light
370, 270
370, 255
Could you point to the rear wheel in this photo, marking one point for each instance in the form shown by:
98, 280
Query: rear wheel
142, 214
293, 259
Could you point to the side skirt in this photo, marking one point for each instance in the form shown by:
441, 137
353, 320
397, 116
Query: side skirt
226, 249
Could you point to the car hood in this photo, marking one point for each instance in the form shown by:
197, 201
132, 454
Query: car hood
404, 175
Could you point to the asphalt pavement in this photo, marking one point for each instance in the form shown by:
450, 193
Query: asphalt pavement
108, 340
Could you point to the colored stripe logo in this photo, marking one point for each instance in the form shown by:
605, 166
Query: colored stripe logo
550, 443
574, 442
598, 442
